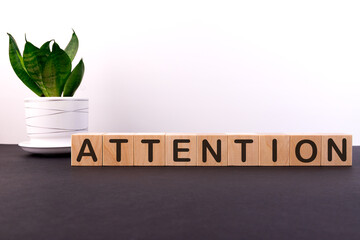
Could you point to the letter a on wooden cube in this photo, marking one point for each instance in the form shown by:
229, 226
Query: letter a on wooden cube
336, 150
212, 150
274, 150
86, 149
181, 149
305, 150
243, 149
118, 149
149, 149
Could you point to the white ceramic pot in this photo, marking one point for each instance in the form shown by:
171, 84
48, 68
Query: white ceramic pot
50, 122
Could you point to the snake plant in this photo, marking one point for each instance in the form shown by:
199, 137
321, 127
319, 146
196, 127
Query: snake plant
47, 73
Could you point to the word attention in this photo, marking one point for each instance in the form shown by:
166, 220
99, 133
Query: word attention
144, 149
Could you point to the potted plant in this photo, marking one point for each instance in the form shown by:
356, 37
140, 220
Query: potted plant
55, 114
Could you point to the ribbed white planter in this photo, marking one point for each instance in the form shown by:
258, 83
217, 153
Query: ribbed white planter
50, 121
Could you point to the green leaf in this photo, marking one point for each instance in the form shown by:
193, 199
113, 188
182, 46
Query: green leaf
44, 53
56, 71
72, 47
74, 79
17, 64
33, 66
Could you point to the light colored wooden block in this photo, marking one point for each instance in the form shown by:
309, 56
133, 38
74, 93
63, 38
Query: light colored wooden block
274, 150
212, 150
336, 150
118, 149
149, 149
181, 149
243, 149
305, 150
87, 149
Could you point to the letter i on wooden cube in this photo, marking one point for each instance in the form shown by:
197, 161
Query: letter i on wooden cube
212, 150
336, 150
149, 149
243, 149
305, 150
274, 150
118, 149
86, 149
180, 149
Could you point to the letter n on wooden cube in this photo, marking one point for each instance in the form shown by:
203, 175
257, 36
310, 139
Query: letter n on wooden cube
305, 150
212, 150
336, 150
86, 149
181, 149
149, 149
243, 149
118, 149
274, 150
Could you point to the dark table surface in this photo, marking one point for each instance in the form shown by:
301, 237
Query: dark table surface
45, 198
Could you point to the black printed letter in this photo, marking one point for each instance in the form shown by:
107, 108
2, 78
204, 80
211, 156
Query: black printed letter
331, 144
90, 153
151, 147
314, 151
176, 150
206, 145
118, 147
243, 147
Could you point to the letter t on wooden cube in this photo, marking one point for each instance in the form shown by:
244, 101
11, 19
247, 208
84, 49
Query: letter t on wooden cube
87, 149
243, 149
149, 149
118, 149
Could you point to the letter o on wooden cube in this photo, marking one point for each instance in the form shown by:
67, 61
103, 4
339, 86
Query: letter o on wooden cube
305, 150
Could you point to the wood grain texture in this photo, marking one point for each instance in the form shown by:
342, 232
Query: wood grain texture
343, 145
181, 149
118, 149
243, 149
305, 150
149, 149
218, 144
274, 150
86, 143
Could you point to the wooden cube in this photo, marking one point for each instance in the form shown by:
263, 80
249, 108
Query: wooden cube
180, 149
274, 150
149, 149
87, 149
243, 149
336, 150
212, 150
305, 150
118, 149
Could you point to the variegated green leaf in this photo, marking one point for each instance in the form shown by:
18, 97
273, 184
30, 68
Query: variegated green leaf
72, 47
74, 80
56, 70
17, 64
32, 55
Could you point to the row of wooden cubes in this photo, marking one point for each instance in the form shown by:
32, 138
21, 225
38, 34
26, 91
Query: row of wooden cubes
125, 149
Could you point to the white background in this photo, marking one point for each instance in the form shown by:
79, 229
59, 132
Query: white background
198, 66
